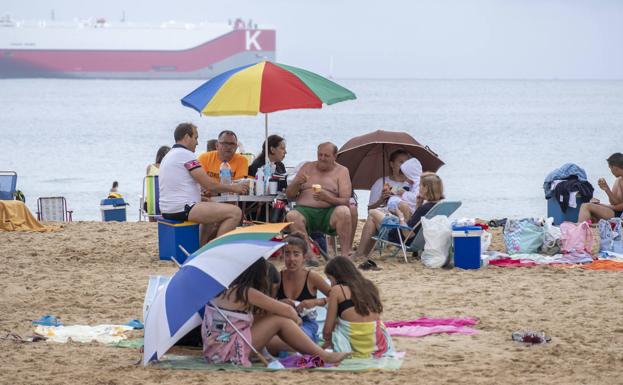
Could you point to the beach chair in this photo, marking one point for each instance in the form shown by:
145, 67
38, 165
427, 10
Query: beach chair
149, 202
8, 184
412, 242
53, 209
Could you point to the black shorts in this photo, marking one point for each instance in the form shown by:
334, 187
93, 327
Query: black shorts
181, 216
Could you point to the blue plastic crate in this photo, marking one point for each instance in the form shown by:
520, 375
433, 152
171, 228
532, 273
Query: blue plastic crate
171, 234
466, 241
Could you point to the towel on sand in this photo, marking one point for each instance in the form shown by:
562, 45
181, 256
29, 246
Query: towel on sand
15, 216
425, 326
105, 334
171, 361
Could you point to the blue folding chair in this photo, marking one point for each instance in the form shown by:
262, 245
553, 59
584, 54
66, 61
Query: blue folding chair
8, 185
413, 241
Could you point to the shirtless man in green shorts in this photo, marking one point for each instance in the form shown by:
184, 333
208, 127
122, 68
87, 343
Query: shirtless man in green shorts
596, 210
322, 191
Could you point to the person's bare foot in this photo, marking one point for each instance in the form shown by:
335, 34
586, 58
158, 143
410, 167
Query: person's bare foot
332, 357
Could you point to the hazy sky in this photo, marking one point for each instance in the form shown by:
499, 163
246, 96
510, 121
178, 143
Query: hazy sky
401, 38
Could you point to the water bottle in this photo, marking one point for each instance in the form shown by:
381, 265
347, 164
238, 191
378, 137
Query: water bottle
267, 176
259, 183
225, 174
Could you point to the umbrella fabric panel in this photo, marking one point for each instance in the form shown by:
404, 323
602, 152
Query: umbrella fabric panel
198, 98
225, 262
239, 95
263, 232
282, 90
180, 307
157, 340
328, 91
370, 162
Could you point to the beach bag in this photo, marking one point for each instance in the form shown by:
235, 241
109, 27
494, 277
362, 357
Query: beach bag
523, 236
576, 238
611, 235
438, 240
485, 241
551, 238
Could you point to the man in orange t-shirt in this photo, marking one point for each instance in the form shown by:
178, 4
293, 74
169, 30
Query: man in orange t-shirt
225, 152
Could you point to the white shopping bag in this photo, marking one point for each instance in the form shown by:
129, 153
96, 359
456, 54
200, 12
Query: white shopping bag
438, 237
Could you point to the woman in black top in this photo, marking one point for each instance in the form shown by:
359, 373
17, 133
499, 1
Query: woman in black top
298, 288
276, 153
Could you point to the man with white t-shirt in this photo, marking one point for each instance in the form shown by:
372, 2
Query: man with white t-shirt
181, 178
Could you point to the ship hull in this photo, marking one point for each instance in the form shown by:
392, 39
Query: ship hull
233, 49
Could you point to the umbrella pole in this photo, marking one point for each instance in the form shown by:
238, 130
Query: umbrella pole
260, 356
266, 141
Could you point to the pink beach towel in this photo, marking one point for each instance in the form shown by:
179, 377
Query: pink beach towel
425, 326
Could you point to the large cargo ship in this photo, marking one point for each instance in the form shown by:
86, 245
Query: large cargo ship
99, 49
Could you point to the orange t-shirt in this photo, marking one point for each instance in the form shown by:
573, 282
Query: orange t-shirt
212, 165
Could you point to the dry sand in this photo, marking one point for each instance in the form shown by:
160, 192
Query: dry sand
92, 273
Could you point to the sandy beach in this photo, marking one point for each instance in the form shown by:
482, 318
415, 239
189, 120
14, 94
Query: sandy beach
94, 273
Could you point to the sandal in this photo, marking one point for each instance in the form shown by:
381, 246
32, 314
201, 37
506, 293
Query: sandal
369, 265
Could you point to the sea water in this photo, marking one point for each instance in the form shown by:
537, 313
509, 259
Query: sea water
498, 138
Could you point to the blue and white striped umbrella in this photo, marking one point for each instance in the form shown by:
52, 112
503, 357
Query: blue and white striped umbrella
174, 311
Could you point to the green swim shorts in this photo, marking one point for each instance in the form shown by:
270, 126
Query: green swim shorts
317, 219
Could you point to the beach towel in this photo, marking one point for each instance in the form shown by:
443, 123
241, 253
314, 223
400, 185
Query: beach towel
363, 339
106, 334
604, 265
15, 216
221, 344
349, 365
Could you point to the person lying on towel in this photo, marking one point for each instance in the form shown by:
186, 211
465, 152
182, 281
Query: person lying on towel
353, 322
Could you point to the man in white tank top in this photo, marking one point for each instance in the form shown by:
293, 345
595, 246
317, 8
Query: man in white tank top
181, 178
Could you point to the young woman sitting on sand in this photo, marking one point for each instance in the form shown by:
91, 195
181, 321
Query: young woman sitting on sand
298, 289
353, 321
430, 192
258, 317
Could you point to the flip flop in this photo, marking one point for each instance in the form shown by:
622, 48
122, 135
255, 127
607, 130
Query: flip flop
369, 265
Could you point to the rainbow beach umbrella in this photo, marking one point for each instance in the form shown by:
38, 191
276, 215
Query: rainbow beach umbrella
263, 88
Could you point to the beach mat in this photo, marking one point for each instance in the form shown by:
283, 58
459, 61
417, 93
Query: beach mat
348, 365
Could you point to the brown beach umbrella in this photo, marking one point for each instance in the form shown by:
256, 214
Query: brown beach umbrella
367, 156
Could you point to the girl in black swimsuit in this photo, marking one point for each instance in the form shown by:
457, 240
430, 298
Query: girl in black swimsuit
299, 286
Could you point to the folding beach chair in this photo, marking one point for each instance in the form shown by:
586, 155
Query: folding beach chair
149, 202
53, 209
413, 241
8, 184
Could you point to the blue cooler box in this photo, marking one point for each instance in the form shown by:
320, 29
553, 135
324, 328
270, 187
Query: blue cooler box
554, 211
174, 233
466, 241
113, 209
